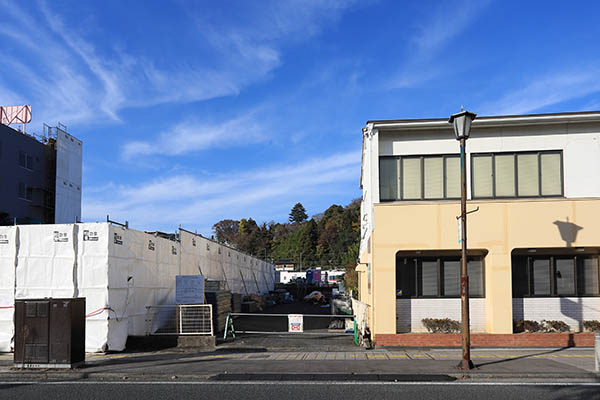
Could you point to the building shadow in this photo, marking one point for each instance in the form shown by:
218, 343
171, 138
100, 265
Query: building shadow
518, 311
568, 231
521, 357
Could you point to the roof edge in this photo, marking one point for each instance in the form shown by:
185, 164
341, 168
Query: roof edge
493, 120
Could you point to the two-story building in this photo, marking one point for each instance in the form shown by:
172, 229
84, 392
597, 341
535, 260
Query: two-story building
533, 243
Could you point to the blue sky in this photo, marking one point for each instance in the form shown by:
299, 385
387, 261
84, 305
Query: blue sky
195, 111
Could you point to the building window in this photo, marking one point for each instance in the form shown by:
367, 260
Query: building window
25, 192
25, 160
419, 177
505, 175
560, 275
437, 277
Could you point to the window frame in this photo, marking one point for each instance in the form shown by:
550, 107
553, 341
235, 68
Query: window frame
421, 157
439, 260
577, 285
26, 189
515, 155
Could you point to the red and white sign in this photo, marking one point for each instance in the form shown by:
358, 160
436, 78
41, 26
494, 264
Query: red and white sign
295, 323
15, 115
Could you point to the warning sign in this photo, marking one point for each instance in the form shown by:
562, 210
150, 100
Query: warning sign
295, 323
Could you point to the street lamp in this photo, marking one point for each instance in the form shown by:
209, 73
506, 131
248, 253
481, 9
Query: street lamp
462, 128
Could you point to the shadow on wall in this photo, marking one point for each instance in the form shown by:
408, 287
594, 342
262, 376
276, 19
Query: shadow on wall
404, 315
573, 309
568, 231
518, 310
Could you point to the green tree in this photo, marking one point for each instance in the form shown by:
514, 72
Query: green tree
298, 214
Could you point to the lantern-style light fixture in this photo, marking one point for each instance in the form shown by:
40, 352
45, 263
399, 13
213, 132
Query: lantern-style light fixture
462, 124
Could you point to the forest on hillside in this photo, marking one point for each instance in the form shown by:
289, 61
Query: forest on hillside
327, 240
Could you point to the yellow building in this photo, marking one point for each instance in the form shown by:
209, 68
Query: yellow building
533, 241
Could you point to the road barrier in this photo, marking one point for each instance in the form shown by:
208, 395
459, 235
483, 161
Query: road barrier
289, 324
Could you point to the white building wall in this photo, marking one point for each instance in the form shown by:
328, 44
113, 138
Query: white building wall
580, 144
571, 310
410, 312
370, 185
67, 208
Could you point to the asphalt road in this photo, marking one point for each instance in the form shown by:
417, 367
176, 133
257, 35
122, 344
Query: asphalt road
312, 391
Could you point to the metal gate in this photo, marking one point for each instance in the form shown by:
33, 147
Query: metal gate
181, 319
292, 324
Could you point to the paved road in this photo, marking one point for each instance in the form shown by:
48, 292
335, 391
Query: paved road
312, 391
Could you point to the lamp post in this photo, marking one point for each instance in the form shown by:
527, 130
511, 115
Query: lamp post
462, 128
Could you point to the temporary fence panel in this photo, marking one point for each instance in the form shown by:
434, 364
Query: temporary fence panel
46, 262
93, 284
190, 254
183, 319
140, 279
8, 259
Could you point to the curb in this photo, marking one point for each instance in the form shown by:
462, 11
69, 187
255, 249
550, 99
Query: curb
217, 378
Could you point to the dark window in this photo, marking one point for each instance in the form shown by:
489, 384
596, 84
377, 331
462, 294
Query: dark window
555, 276
432, 177
526, 174
437, 277
25, 160
25, 192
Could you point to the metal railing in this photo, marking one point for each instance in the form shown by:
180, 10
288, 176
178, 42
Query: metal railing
181, 319
230, 329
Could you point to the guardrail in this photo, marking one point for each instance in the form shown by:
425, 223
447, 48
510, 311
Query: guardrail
181, 319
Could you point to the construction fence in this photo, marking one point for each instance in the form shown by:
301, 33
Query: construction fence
119, 271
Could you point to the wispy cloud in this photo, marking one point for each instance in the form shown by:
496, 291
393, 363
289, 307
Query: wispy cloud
431, 38
545, 91
192, 136
202, 201
75, 83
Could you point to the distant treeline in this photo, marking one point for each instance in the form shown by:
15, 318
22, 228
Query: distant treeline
327, 240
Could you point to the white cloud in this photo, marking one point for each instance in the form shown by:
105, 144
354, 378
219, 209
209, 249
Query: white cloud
545, 91
71, 81
193, 136
203, 200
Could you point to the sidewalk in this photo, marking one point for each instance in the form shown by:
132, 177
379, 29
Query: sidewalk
234, 363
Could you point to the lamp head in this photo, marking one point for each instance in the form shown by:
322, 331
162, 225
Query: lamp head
462, 124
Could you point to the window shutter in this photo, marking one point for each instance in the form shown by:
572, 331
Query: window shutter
452, 177
541, 277
434, 177
388, 178
475, 272
482, 176
588, 276
429, 278
551, 182
411, 178
565, 276
527, 168
505, 175
451, 278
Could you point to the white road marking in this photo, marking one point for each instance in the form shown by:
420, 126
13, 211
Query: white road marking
318, 383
